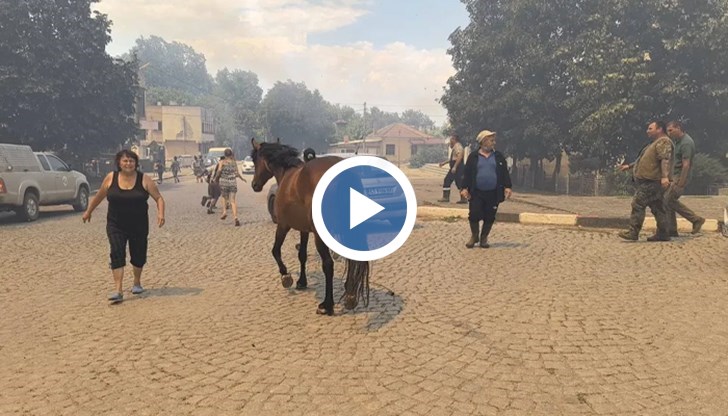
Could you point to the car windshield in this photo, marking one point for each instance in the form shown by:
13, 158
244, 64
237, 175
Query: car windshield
248, 159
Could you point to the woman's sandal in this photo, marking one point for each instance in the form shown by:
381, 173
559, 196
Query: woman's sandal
223, 217
237, 223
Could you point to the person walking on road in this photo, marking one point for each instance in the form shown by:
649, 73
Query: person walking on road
651, 173
175, 169
486, 184
226, 174
455, 173
160, 171
127, 221
682, 173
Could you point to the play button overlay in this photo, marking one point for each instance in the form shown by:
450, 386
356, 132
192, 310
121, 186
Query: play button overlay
364, 208
361, 208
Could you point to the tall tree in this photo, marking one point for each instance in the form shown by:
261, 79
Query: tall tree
418, 119
241, 92
172, 66
58, 87
587, 75
297, 115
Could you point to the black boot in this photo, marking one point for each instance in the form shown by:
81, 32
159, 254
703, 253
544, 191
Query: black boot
445, 196
474, 228
462, 200
487, 226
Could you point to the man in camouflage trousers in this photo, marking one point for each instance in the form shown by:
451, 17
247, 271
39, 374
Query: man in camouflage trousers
651, 173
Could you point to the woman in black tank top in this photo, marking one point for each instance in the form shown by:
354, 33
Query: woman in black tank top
127, 219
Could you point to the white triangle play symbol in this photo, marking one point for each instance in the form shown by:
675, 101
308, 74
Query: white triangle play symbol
361, 208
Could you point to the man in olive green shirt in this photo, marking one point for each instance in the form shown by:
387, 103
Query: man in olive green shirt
682, 172
651, 172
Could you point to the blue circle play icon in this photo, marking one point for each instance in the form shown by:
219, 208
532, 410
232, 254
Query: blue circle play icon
364, 208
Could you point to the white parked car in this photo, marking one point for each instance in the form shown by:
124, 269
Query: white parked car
247, 166
29, 180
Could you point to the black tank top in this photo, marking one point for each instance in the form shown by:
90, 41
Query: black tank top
128, 207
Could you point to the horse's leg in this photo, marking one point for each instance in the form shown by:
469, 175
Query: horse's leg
327, 262
281, 232
302, 283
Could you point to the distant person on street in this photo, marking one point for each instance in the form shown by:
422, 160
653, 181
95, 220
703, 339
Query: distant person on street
682, 173
127, 221
175, 169
160, 171
213, 189
198, 169
651, 173
486, 184
456, 168
226, 175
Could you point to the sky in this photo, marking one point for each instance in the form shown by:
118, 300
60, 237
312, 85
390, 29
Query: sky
391, 54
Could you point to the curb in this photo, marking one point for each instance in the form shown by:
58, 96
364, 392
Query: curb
566, 220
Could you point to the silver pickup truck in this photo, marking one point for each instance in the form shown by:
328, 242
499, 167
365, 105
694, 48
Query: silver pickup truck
29, 180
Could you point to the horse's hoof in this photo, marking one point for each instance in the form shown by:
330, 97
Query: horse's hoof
301, 286
350, 302
323, 310
286, 281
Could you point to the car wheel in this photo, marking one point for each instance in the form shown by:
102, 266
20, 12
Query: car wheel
272, 209
30, 209
81, 202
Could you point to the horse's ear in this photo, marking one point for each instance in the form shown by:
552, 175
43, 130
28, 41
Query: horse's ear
255, 144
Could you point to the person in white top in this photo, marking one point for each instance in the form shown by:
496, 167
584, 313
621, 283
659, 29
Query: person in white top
455, 173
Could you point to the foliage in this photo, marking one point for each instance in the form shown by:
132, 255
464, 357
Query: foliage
428, 154
173, 66
706, 171
300, 117
58, 87
586, 76
619, 183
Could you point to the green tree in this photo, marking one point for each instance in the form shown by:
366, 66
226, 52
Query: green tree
586, 76
417, 119
299, 116
172, 66
241, 92
59, 90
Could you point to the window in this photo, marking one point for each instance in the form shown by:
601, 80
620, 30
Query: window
57, 164
390, 150
44, 162
414, 149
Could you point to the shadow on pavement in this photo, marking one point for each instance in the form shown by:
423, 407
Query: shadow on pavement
171, 291
9, 218
384, 304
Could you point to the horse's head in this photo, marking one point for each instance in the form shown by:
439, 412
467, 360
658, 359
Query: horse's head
271, 159
263, 172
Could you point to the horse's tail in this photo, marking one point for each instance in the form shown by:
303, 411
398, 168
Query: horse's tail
309, 154
357, 283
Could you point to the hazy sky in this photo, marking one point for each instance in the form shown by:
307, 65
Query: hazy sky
389, 53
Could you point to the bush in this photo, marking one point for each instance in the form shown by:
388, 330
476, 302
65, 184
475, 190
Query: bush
619, 183
707, 170
428, 154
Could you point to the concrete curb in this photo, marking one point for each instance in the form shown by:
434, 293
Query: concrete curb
567, 220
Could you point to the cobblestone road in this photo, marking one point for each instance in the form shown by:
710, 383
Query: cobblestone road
548, 322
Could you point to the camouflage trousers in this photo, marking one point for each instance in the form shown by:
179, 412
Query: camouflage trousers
648, 194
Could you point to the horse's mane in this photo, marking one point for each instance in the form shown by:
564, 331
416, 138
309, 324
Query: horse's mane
279, 155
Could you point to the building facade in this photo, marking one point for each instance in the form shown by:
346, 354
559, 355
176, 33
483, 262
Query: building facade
397, 142
182, 130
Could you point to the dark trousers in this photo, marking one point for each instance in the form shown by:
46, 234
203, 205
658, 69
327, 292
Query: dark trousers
456, 177
673, 206
118, 239
483, 206
648, 194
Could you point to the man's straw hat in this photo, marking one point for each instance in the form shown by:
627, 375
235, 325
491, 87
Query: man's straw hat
483, 134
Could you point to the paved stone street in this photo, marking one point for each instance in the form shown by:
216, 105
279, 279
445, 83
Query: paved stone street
549, 321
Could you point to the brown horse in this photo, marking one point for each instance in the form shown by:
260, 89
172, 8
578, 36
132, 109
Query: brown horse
296, 183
